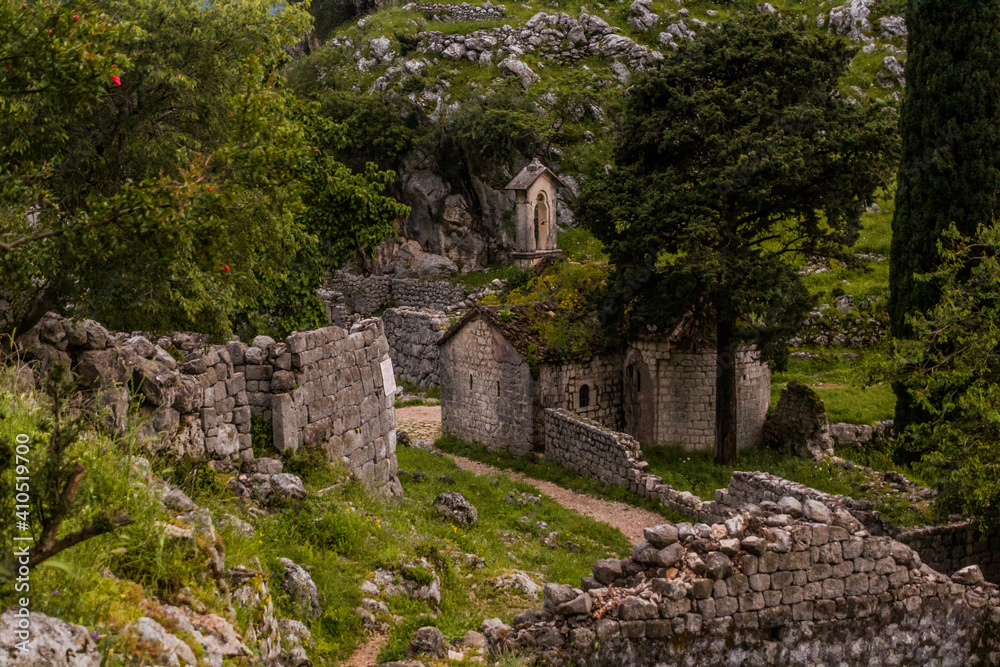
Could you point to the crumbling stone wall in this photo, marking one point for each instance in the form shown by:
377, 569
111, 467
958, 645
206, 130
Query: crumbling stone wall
321, 388
196, 407
347, 294
798, 424
461, 12
763, 589
324, 388
413, 337
947, 548
955, 546
486, 390
594, 451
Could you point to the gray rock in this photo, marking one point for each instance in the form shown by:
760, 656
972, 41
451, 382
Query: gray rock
578, 605
453, 506
790, 506
262, 342
53, 643
557, 594
169, 650
514, 67
893, 26
295, 634
816, 511
286, 485
427, 641
971, 576
607, 571
661, 536
301, 587
473, 639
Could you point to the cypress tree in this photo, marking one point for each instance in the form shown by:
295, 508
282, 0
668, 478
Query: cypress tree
950, 170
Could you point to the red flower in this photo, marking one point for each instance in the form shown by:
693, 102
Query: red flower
76, 17
115, 80
211, 189
226, 267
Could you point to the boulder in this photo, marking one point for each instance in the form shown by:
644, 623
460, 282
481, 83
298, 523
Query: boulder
53, 643
514, 67
169, 650
427, 641
453, 506
301, 587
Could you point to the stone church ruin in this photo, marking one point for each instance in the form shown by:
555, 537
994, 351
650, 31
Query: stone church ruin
498, 381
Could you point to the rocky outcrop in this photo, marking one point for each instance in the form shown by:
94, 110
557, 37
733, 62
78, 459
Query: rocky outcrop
852, 20
560, 37
37, 640
798, 424
453, 506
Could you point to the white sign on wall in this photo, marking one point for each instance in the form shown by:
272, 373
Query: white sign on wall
388, 377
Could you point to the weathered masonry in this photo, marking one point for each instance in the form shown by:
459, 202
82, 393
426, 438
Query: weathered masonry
764, 589
497, 380
321, 388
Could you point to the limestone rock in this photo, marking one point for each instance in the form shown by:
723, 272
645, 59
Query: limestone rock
169, 650
427, 641
514, 67
301, 587
453, 506
53, 643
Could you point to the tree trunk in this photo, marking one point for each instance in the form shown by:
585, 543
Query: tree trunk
726, 396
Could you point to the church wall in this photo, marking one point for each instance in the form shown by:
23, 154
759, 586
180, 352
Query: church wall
684, 383
486, 390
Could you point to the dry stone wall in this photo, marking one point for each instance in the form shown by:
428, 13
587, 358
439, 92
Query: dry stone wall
320, 388
763, 589
196, 407
947, 548
347, 294
324, 388
413, 336
594, 451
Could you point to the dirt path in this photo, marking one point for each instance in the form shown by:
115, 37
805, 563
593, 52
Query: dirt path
422, 422
366, 655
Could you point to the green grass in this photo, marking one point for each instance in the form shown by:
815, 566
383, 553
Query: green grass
555, 473
488, 275
580, 245
871, 280
341, 537
695, 471
839, 382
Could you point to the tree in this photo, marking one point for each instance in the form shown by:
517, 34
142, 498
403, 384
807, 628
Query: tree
950, 368
950, 170
346, 215
147, 174
733, 158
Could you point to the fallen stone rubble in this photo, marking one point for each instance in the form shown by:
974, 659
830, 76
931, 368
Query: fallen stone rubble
755, 590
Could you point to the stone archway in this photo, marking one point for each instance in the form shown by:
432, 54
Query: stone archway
638, 398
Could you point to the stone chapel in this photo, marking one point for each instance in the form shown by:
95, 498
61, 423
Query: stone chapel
535, 189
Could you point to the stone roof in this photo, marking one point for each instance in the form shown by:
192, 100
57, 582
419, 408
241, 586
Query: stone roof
530, 174
518, 325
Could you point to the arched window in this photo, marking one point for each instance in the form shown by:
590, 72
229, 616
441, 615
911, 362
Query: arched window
541, 222
584, 395
470, 381
498, 387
